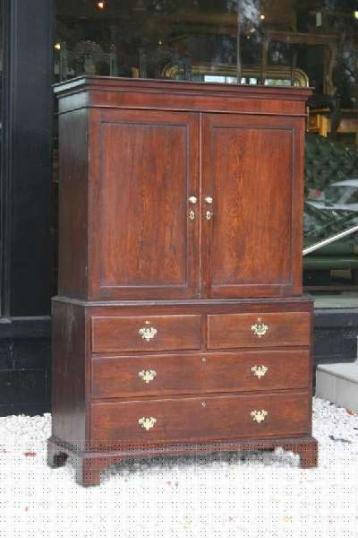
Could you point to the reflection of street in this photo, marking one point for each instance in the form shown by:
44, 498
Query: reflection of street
334, 211
321, 223
330, 240
341, 195
331, 234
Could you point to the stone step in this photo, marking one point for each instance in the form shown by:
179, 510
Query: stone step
338, 383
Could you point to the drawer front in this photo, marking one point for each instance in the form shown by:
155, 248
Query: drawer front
193, 419
259, 330
117, 377
150, 333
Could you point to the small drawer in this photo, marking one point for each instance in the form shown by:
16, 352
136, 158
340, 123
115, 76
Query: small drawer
192, 419
247, 330
149, 333
117, 377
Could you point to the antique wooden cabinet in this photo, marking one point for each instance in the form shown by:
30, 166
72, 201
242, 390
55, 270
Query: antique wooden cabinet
180, 325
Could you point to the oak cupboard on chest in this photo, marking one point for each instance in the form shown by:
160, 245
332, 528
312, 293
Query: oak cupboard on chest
179, 325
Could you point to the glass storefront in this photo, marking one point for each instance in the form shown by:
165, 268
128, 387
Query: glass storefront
271, 42
1, 74
1, 145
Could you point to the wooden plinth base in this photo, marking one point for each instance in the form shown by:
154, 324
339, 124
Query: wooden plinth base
89, 465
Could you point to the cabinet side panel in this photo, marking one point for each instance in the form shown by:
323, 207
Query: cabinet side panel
68, 373
73, 213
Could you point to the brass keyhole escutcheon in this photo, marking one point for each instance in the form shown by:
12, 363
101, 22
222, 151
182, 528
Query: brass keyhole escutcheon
191, 214
193, 201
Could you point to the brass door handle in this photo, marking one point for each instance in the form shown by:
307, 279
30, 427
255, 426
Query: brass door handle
209, 214
193, 201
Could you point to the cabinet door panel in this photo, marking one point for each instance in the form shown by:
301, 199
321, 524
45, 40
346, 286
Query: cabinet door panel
255, 232
146, 246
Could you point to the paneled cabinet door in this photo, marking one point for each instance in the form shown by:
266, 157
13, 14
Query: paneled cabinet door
253, 205
145, 199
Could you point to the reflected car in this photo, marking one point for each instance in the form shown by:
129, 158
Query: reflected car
331, 212
339, 196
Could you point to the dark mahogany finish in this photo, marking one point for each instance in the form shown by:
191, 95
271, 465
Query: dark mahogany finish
193, 419
236, 330
180, 326
142, 178
250, 170
122, 333
117, 377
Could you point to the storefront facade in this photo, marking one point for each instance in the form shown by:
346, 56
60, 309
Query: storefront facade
280, 42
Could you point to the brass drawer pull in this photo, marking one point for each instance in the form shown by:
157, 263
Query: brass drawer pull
148, 333
147, 423
147, 375
259, 416
259, 328
259, 371
209, 215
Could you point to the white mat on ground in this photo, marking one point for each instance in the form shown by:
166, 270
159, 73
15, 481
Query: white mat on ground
240, 496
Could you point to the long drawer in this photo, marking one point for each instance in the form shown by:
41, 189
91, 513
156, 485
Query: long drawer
247, 330
145, 333
257, 370
199, 418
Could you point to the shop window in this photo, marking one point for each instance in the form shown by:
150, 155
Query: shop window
271, 42
2, 189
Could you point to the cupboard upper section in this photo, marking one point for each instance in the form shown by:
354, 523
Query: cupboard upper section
173, 204
114, 92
